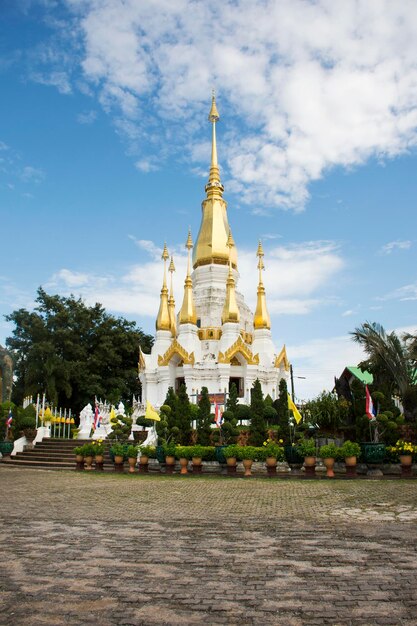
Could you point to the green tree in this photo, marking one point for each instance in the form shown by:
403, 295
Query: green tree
328, 411
204, 418
257, 429
281, 407
74, 352
232, 401
390, 362
184, 417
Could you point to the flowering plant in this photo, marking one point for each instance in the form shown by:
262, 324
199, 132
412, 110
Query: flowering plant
272, 449
98, 447
404, 447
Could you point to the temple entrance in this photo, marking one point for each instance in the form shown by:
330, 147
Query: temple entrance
239, 382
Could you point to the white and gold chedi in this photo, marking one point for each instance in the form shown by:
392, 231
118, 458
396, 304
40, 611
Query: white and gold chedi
215, 339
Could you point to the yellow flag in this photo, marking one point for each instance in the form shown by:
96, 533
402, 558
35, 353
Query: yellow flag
293, 408
151, 414
112, 413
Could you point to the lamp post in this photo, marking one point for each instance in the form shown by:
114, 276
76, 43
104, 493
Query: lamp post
292, 381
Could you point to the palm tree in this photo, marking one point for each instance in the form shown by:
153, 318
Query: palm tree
390, 359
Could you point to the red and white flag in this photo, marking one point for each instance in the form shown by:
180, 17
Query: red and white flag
9, 418
218, 415
97, 418
369, 406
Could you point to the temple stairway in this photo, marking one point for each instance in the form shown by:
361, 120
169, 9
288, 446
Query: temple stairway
52, 454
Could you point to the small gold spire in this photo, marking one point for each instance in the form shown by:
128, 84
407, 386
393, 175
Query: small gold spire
261, 318
188, 313
163, 317
171, 301
230, 309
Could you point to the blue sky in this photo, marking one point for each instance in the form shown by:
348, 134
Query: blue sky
104, 151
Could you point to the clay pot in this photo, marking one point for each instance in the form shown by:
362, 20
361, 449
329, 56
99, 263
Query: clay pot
350, 461
99, 459
231, 461
406, 459
247, 464
89, 462
309, 461
271, 461
144, 460
184, 466
79, 458
132, 464
329, 465
170, 460
197, 460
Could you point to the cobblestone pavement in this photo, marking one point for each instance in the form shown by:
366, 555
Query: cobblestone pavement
155, 550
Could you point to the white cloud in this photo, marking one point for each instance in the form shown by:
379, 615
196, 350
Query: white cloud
31, 174
395, 245
88, 117
407, 292
309, 86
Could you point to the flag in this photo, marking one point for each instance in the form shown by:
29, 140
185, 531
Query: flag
150, 413
9, 418
369, 405
295, 411
97, 418
218, 415
112, 413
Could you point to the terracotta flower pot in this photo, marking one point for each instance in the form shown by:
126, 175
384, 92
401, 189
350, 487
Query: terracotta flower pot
231, 461
350, 461
132, 464
197, 460
170, 460
271, 461
309, 461
99, 458
406, 459
184, 466
144, 460
79, 458
247, 464
89, 462
329, 465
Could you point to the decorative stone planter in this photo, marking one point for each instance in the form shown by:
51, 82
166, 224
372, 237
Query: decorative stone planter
184, 466
170, 464
247, 464
231, 466
406, 461
6, 448
329, 465
132, 464
373, 455
310, 465
350, 463
143, 464
271, 465
118, 463
197, 464
293, 458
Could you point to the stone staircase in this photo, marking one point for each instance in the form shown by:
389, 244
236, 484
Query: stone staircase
52, 454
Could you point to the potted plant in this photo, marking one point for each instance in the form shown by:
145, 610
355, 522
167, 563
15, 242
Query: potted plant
184, 454
132, 457
231, 455
88, 452
350, 451
197, 454
145, 453
247, 454
79, 457
98, 448
118, 450
274, 453
329, 453
405, 451
169, 453
307, 449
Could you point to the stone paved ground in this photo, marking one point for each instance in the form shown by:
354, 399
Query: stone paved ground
154, 550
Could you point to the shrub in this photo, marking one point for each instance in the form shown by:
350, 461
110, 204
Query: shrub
350, 448
132, 452
231, 451
147, 451
184, 452
118, 449
329, 451
306, 447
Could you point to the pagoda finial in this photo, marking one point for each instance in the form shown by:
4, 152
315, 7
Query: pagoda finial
188, 313
230, 309
171, 301
261, 318
214, 184
163, 318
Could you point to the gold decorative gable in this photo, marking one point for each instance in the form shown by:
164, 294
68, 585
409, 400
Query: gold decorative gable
239, 347
141, 364
176, 348
282, 359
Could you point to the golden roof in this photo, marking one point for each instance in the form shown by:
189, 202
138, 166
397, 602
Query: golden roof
163, 319
261, 318
188, 313
211, 244
230, 309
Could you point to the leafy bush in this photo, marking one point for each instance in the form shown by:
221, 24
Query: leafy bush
148, 451
329, 451
132, 452
350, 448
118, 449
307, 447
231, 451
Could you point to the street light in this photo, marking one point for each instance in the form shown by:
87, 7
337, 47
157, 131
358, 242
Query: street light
292, 382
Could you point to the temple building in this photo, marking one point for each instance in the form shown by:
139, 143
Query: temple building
214, 339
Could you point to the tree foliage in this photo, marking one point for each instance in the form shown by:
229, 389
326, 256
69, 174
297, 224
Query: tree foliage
328, 411
281, 407
74, 352
257, 429
204, 418
391, 360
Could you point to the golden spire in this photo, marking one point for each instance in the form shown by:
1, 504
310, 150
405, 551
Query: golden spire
211, 244
261, 318
163, 320
171, 301
188, 313
230, 309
